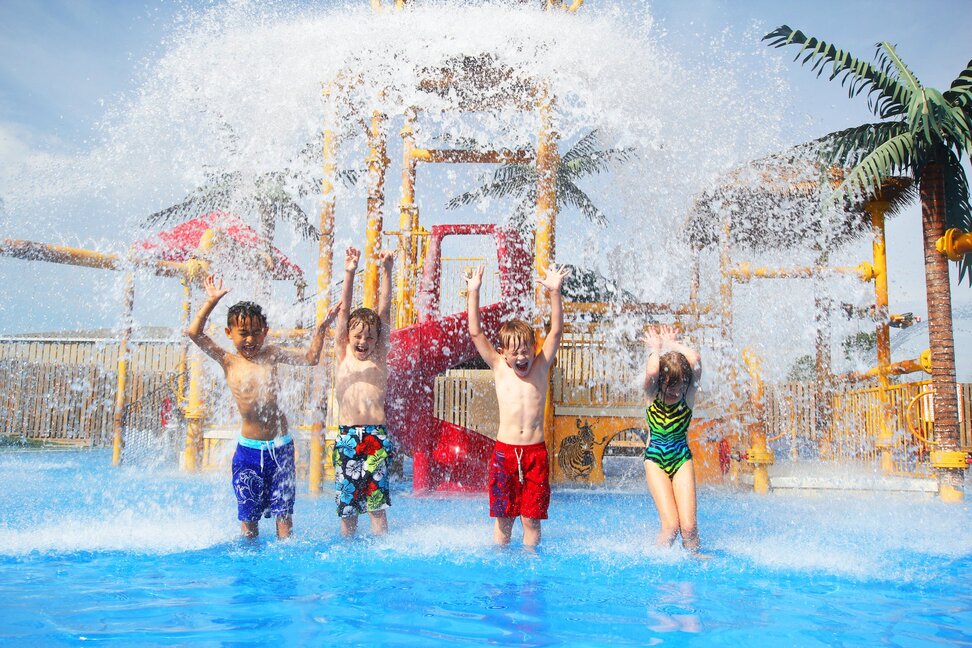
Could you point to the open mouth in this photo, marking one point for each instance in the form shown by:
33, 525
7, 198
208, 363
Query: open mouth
521, 365
361, 350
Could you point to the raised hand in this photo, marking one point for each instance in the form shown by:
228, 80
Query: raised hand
386, 258
331, 314
351, 258
668, 334
553, 277
214, 287
653, 339
474, 278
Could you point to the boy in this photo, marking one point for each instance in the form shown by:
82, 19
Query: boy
519, 480
263, 465
363, 450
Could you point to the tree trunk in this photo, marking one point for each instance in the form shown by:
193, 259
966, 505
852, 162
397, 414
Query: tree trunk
939, 296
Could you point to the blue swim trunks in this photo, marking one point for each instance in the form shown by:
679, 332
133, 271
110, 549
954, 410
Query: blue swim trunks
264, 478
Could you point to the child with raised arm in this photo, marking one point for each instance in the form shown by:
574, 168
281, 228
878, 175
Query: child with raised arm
519, 479
363, 450
671, 380
263, 465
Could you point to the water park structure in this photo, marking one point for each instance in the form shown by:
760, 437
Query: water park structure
653, 147
441, 407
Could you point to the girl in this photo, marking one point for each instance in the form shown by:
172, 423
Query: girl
671, 380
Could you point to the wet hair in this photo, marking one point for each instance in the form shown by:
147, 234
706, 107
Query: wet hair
673, 368
514, 333
364, 317
245, 311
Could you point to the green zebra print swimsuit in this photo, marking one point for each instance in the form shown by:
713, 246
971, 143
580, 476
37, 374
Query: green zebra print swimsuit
668, 446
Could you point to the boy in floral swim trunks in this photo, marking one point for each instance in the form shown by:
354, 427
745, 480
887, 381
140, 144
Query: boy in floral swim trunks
363, 450
263, 465
519, 479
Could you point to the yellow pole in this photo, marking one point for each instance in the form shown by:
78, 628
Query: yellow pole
184, 350
325, 259
407, 224
548, 160
725, 299
122, 386
377, 164
882, 330
822, 360
758, 454
194, 415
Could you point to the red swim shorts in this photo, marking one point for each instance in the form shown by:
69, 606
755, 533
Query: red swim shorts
519, 481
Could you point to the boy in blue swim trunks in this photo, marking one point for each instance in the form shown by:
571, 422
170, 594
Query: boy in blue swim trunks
363, 450
263, 466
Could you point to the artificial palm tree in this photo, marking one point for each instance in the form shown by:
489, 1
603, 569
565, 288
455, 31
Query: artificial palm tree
266, 196
923, 133
520, 181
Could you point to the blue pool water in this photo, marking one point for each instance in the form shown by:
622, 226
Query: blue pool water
129, 556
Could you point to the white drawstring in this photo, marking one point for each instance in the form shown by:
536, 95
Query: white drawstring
518, 452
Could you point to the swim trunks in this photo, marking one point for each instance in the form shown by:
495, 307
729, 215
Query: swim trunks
519, 481
668, 445
361, 457
264, 478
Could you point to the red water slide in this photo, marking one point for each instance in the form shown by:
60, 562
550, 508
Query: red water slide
447, 457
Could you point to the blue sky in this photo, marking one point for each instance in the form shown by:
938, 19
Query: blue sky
64, 64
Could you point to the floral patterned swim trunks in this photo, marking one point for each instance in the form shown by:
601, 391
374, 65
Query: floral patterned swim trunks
361, 457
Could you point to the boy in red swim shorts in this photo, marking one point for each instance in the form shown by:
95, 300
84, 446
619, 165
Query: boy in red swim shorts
519, 479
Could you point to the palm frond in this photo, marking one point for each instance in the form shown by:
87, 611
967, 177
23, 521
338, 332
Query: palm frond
960, 92
570, 194
584, 146
892, 98
488, 190
902, 199
596, 162
284, 208
521, 216
848, 147
958, 211
896, 154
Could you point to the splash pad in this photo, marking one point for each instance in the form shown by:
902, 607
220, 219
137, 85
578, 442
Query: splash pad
169, 538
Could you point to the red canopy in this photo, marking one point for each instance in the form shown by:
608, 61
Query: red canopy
182, 242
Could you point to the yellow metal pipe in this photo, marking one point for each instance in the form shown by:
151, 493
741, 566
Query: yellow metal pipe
184, 347
743, 272
462, 156
954, 244
575, 6
407, 212
921, 363
194, 415
121, 396
758, 454
325, 260
885, 439
34, 251
548, 161
377, 165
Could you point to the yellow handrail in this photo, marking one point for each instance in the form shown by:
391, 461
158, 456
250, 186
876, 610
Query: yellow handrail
912, 427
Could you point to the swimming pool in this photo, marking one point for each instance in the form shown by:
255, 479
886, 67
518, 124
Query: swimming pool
129, 556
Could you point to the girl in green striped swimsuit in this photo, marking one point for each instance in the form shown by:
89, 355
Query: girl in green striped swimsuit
671, 379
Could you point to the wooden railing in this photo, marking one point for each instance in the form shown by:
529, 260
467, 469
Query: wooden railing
63, 391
